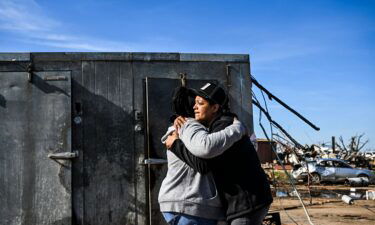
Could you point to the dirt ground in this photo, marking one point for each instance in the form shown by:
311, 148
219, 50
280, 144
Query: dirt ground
330, 211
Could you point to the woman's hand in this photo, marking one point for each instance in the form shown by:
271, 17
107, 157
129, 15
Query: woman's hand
170, 139
179, 122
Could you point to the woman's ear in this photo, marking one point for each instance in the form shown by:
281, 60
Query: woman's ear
216, 108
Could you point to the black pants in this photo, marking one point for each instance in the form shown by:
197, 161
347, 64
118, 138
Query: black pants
255, 218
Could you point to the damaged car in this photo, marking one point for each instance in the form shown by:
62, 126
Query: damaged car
330, 170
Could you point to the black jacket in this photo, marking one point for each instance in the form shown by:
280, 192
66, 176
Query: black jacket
240, 179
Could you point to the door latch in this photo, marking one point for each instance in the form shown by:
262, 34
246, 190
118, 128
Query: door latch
138, 116
152, 161
55, 78
63, 155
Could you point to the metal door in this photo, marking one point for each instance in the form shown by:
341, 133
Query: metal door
328, 171
105, 179
158, 109
35, 148
343, 171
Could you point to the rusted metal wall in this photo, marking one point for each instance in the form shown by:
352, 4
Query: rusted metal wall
265, 152
108, 183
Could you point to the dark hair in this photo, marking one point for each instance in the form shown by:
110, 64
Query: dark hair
183, 102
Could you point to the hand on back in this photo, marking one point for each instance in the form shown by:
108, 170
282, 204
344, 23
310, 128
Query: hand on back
179, 122
170, 139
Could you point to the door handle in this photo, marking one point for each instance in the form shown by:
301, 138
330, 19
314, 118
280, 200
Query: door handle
63, 155
153, 161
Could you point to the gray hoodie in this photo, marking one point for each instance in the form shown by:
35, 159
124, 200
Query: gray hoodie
186, 191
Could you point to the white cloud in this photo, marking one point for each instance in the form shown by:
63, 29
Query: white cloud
26, 20
78, 45
24, 16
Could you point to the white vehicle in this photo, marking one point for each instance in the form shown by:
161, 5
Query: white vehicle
370, 155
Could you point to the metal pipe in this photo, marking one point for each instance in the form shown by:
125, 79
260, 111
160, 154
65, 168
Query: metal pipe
298, 145
288, 175
347, 199
271, 96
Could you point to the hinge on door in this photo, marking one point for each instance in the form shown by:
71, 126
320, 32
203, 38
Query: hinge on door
30, 69
229, 84
183, 79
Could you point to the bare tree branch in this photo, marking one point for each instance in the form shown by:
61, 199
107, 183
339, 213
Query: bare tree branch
363, 145
343, 144
339, 146
352, 143
355, 143
359, 139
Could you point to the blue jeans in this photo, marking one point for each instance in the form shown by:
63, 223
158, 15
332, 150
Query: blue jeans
174, 218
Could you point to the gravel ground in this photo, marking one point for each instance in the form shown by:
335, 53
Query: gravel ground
330, 211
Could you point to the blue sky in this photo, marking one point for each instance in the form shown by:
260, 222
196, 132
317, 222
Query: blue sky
317, 56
